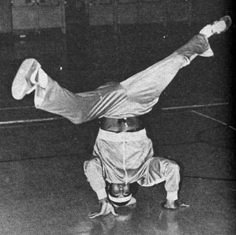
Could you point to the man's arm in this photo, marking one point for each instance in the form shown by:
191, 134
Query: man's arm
93, 172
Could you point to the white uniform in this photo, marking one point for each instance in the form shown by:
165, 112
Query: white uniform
125, 157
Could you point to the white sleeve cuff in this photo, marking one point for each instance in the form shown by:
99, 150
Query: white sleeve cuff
172, 196
101, 194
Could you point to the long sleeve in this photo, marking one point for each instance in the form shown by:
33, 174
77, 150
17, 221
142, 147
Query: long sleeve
94, 174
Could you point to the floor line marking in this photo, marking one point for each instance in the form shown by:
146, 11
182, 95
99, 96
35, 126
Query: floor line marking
214, 119
194, 106
30, 120
16, 108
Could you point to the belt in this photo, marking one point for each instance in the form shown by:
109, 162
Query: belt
130, 124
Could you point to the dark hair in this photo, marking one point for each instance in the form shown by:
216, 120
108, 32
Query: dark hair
133, 187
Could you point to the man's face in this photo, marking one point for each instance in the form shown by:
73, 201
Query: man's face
120, 190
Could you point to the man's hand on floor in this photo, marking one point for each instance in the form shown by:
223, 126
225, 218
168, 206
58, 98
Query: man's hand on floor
106, 208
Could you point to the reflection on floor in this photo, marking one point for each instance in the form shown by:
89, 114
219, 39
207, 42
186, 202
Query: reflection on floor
42, 186
52, 197
44, 190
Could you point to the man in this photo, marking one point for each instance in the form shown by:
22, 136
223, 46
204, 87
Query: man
123, 154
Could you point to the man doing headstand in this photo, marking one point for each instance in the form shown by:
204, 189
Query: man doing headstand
123, 154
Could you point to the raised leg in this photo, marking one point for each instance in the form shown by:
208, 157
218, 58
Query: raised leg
133, 97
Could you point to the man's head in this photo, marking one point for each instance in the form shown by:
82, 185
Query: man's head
120, 194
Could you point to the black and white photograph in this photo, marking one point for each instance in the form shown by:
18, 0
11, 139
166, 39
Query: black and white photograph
117, 117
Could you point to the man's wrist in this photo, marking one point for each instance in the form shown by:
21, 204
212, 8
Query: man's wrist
103, 200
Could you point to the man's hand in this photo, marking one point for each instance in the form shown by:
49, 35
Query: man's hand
106, 208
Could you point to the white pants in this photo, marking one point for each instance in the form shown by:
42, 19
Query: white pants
134, 96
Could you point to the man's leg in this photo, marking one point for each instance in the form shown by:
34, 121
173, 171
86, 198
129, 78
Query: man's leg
51, 97
135, 96
145, 88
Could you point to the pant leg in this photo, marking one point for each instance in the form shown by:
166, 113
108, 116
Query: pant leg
134, 96
144, 88
79, 107
160, 170
94, 173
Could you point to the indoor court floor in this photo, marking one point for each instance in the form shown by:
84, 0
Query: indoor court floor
43, 190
